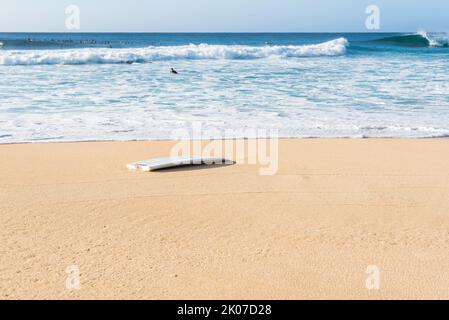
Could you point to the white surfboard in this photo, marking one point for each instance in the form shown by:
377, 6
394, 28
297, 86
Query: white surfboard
166, 163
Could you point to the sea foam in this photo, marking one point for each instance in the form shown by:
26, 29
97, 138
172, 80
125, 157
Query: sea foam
149, 54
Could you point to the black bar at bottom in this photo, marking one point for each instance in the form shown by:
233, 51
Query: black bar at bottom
227, 309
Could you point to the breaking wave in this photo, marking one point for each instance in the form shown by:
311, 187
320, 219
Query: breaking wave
161, 53
419, 40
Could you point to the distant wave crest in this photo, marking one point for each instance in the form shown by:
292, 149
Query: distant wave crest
145, 55
419, 39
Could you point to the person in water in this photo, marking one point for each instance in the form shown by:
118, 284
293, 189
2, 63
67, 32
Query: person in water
173, 71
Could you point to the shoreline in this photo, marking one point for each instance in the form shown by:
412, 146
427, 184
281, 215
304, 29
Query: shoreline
314, 230
224, 139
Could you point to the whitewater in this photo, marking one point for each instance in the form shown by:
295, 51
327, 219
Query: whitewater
79, 87
150, 54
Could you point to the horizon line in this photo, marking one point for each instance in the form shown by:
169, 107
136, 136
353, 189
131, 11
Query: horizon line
216, 32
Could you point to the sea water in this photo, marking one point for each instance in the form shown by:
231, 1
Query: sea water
77, 87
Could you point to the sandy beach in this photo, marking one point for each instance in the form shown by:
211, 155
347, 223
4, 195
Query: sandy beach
334, 208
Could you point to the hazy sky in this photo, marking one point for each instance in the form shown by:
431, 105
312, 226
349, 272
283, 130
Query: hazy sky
223, 15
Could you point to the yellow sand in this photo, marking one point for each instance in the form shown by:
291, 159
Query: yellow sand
334, 208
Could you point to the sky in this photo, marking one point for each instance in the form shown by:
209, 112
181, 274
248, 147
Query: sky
223, 15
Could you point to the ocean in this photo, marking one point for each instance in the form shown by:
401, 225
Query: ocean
87, 86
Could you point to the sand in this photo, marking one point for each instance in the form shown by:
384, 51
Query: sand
334, 208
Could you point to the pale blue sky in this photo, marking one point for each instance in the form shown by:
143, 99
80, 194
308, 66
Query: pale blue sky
223, 15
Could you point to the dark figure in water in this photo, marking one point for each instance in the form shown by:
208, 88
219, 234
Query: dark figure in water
173, 71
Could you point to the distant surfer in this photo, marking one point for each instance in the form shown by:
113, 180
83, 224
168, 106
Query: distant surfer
173, 71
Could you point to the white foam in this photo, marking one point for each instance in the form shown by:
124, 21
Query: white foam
194, 52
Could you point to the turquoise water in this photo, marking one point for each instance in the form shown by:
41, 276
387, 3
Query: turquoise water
74, 87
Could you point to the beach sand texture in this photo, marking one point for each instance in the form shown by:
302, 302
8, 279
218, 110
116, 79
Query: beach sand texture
335, 207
